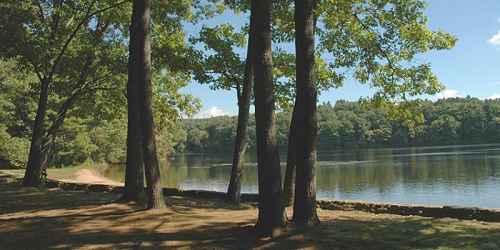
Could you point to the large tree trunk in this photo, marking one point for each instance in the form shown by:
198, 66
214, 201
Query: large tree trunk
304, 209
271, 210
140, 23
36, 158
241, 141
288, 186
134, 169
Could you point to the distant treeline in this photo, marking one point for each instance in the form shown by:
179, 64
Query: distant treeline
352, 124
101, 138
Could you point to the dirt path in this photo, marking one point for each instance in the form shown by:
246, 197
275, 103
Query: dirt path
91, 177
74, 175
40, 219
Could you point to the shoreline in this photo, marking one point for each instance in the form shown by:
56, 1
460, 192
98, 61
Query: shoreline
52, 218
91, 181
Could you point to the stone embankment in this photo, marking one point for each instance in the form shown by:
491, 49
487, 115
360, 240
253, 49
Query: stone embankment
465, 213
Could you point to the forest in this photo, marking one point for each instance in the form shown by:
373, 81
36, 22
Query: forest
104, 81
453, 121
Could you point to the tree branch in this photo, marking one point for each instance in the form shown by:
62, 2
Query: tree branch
88, 15
37, 71
238, 92
379, 47
68, 103
56, 9
41, 14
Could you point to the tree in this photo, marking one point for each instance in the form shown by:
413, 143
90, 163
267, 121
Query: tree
224, 70
240, 144
41, 35
134, 169
304, 208
445, 129
74, 141
285, 71
271, 210
378, 41
141, 40
85, 98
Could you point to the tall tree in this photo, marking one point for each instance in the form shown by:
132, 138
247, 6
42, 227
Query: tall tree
42, 34
222, 69
241, 140
220, 66
271, 210
377, 42
171, 72
100, 65
141, 16
134, 169
304, 208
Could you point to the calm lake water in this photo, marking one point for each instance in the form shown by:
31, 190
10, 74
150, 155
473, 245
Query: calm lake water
467, 175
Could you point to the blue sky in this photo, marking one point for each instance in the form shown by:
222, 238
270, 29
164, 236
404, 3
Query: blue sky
471, 68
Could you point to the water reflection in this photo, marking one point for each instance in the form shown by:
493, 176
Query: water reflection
455, 175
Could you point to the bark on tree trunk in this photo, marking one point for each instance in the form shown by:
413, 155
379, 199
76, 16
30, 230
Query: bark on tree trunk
288, 186
142, 8
134, 169
304, 209
241, 141
271, 210
33, 173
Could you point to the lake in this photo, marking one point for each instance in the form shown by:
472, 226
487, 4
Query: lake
466, 175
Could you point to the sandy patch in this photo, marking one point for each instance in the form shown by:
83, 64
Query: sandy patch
91, 177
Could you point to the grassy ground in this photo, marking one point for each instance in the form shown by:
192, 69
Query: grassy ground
38, 219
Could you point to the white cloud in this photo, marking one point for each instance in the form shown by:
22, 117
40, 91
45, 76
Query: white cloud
494, 96
448, 93
495, 40
211, 112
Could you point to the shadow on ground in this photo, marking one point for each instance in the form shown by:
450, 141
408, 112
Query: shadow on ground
38, 219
